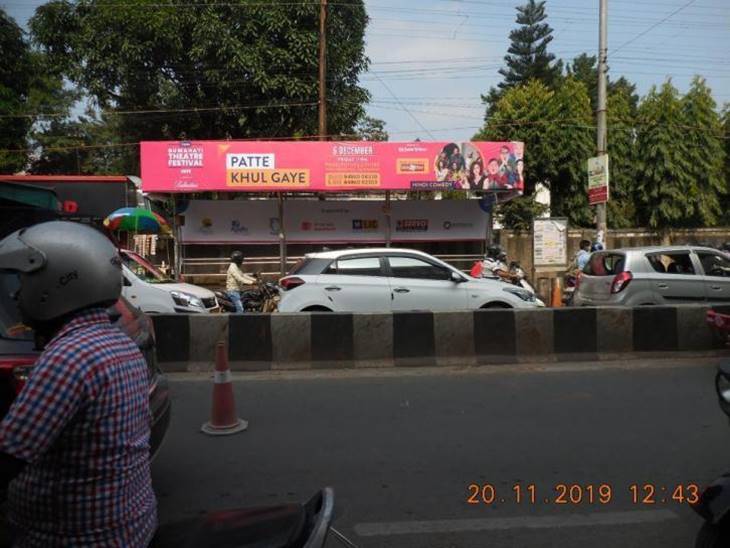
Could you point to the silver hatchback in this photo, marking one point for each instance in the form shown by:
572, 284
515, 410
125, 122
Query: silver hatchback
654, 275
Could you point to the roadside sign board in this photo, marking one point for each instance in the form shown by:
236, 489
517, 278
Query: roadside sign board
598, 179
550, 242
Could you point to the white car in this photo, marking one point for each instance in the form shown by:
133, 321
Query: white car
389, 279
154, 293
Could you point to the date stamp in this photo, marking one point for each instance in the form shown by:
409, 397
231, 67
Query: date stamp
575, 494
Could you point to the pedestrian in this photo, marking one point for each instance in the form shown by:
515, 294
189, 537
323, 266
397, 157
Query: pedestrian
74, 446
237, 281
583, 254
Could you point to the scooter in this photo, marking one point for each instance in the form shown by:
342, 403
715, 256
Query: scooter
301, 525
714, 502
519, 276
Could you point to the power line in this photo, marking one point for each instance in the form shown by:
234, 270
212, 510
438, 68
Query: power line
387, 87
655, 25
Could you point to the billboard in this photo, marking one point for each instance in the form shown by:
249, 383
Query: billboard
330, 166
330, 221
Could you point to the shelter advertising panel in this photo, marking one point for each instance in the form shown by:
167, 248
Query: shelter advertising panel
257, 221
328, 166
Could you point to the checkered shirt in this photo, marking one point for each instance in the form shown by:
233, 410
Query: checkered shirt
82, 423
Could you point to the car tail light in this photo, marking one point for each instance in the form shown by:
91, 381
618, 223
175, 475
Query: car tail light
290, 283
621, 281
17, 368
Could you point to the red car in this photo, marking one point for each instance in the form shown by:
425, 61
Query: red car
17, 355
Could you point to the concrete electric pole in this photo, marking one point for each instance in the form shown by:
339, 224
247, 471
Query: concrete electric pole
322, 70
601, 138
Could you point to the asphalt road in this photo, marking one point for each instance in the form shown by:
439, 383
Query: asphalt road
401, 450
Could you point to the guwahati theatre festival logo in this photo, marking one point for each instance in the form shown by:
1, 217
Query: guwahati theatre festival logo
185, 155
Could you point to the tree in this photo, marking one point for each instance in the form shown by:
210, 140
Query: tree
239, 69
706, 167
371, 129
16, 75
621, 137
665, 193
527, 57
556, 129
584, 69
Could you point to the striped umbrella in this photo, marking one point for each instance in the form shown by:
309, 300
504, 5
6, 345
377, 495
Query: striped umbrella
137, 220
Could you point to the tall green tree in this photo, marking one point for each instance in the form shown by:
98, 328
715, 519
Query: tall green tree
584, 69
621, 137
707, 161
528, 57
573, 144
16, 75
666, 195
556, 129
239, 69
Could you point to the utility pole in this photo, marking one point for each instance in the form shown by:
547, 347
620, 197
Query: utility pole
601, 138
322, 70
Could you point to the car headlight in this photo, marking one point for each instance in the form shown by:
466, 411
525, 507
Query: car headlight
186, 299
722, 386
526, 296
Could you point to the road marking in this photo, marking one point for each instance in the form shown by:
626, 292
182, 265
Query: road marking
519, 522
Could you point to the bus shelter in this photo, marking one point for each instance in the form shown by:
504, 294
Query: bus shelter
350, 186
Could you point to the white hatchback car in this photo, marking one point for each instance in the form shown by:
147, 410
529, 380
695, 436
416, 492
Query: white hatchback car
389, 279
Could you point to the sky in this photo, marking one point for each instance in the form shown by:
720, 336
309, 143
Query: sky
430, 60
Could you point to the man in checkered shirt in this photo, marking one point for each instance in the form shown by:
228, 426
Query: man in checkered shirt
75, 443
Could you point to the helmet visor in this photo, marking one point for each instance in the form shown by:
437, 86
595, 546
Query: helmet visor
17, 256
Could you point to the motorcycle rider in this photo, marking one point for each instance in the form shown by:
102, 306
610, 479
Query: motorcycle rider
74, 446
237, 281
495, 264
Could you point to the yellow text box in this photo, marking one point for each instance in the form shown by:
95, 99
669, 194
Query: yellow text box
353, 179
404, 166
267, 177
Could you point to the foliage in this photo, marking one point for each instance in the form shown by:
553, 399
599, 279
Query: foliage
665, 193
707, 153
16, 75
239, 69
556, 129
371, 129
518, 214
621, 210
527, 57
584, 69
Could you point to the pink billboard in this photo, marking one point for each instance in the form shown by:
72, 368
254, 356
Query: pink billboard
330, 166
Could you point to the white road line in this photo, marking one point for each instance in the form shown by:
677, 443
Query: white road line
519, 522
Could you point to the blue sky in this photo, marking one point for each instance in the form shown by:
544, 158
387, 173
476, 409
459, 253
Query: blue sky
431, 59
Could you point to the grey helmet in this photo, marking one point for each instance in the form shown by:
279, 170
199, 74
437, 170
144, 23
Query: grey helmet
63, 267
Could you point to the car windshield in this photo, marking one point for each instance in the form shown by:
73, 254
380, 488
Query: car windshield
144, 269
10, 325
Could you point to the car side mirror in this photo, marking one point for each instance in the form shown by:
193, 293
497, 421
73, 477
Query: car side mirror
457, 278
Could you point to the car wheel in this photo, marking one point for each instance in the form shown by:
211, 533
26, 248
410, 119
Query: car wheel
495, 305
317, 309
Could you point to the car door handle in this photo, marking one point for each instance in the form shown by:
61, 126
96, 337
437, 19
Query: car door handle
662, 286
402, 290
715, 287
333, 288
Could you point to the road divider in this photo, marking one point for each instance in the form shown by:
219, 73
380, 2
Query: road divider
324, 340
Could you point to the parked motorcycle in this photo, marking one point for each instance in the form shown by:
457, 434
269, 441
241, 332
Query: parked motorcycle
571, 280
302, 525
714, 503
264, 297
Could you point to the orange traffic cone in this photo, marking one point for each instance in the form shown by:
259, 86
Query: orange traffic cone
556, 294
223, 419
